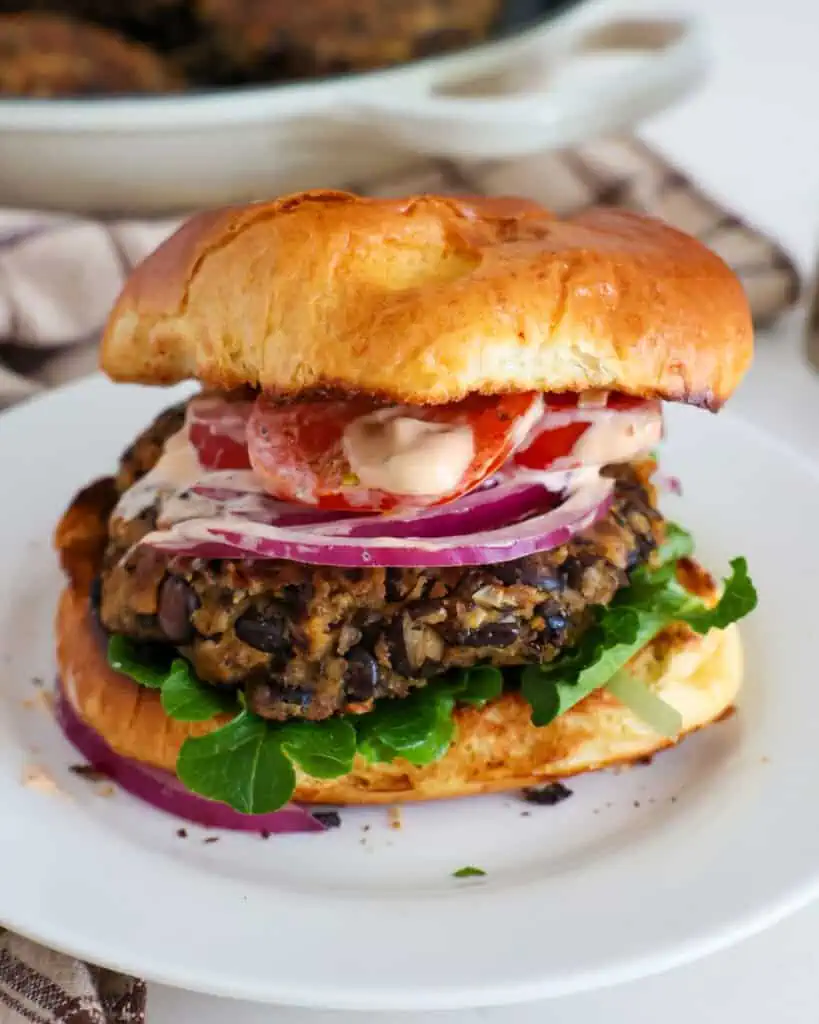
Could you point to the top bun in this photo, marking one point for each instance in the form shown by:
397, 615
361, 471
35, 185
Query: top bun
430, 298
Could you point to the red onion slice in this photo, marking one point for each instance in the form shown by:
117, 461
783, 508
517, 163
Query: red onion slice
164, 791
317, 545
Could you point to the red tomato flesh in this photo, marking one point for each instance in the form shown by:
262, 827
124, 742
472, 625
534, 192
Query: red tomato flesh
297, 450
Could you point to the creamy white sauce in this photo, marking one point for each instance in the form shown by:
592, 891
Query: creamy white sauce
524, 426
615, 437
177, 469
391, 451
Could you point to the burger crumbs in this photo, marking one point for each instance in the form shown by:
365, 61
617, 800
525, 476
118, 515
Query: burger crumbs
673, 799
43, 700
526, 814
105, 791
36, 777
37, 681
182, 833
547, 796
637, 803
211, 839
89, 772
329, 819
365, 828
394, 817
264, 834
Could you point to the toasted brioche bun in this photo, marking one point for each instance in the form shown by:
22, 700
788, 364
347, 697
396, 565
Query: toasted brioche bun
497, 747
428, 299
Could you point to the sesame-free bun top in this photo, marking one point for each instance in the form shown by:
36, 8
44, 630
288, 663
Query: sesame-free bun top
428, 299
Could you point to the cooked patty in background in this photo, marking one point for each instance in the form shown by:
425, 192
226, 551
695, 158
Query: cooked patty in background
229, 42
46, 55
322, 37
307, 641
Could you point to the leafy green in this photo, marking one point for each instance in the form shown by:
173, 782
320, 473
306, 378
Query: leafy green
678, 544
242, 764
248, 763
653, 601
420, 728
184, 696
324, 750
187, 699
468, 872
146, 664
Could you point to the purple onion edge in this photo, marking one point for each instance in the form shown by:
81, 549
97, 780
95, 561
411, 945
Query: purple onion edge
165, 792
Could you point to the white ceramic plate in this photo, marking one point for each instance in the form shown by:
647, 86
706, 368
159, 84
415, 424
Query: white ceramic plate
638, 871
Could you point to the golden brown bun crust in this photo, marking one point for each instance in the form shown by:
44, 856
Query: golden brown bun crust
497, 747
427, 299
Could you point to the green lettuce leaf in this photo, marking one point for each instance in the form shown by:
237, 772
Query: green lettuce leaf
146, 664
187, 699
242, 765
637, 614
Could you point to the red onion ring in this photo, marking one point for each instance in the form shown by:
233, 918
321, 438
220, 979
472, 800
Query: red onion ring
531, 530
164, 791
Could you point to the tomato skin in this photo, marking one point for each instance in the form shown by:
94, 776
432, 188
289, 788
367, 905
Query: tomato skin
217, 428
297, 449
551, 445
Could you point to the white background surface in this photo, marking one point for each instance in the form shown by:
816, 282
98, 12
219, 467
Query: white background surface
751, 135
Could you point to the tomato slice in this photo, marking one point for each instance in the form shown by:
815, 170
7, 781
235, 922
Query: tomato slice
297, 449
638, 428
217, 428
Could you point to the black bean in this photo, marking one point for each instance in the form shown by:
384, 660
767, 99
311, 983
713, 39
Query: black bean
530, 572
493, 634
297, 596
362, 676
271, 700
394, 589
423, 609
177, 603
264, 629
399, 656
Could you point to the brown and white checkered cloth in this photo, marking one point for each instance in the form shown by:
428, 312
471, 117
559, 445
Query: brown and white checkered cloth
41, 987
59, 275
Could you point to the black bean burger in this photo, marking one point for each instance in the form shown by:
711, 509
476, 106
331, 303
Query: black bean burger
404, 543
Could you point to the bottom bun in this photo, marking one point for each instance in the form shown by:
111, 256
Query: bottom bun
496, 748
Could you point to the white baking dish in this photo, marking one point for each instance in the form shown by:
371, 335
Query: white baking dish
555, 84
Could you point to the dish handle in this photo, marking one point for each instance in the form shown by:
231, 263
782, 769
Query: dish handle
602, 80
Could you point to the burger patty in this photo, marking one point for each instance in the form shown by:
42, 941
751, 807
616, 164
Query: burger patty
309, 641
